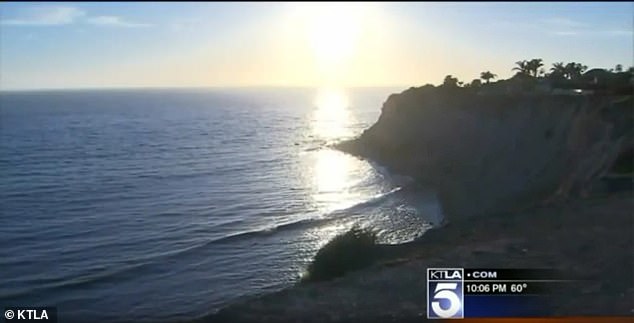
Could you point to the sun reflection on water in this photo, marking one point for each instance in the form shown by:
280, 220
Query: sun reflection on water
332, 118
345, 190
334, 172
332, 180
334, 176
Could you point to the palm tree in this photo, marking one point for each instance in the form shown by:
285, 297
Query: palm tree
574, 70
529, 67
487, 76
533, 66
559, 69
522, 67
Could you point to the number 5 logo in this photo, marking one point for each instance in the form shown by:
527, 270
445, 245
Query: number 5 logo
446, 291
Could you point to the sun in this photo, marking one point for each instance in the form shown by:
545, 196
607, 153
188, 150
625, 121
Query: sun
333, 32
332, 40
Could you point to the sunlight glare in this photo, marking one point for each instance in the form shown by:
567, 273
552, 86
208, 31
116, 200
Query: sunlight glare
332, 180
333, 32
332, 118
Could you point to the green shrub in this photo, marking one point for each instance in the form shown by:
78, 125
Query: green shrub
350, 251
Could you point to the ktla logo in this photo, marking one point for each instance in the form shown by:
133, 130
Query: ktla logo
445, 293
30, 314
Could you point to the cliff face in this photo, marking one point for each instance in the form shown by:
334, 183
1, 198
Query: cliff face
493, 153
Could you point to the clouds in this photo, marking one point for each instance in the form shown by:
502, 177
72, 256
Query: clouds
46, 16
565, 27
63, 15
564, 33
563, 22
628, 33
114, 21
562, 26
622, 32
183, 24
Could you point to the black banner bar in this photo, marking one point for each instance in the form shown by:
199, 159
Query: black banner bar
514, 274
515, 288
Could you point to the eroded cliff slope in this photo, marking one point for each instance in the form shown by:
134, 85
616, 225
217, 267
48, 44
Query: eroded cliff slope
489, 153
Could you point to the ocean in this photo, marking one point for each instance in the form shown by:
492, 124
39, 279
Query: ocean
167, 204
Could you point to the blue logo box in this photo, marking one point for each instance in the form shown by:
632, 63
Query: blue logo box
445, 293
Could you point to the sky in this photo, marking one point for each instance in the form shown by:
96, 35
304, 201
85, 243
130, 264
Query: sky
170, 44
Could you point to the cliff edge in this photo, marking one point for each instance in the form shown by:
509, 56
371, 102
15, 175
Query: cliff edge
490, 153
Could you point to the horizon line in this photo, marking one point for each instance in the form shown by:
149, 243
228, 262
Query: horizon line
106, 88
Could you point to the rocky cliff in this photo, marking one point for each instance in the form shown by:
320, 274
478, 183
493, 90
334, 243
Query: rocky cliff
491, 153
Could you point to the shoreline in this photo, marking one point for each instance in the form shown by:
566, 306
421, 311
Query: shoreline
588, 238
